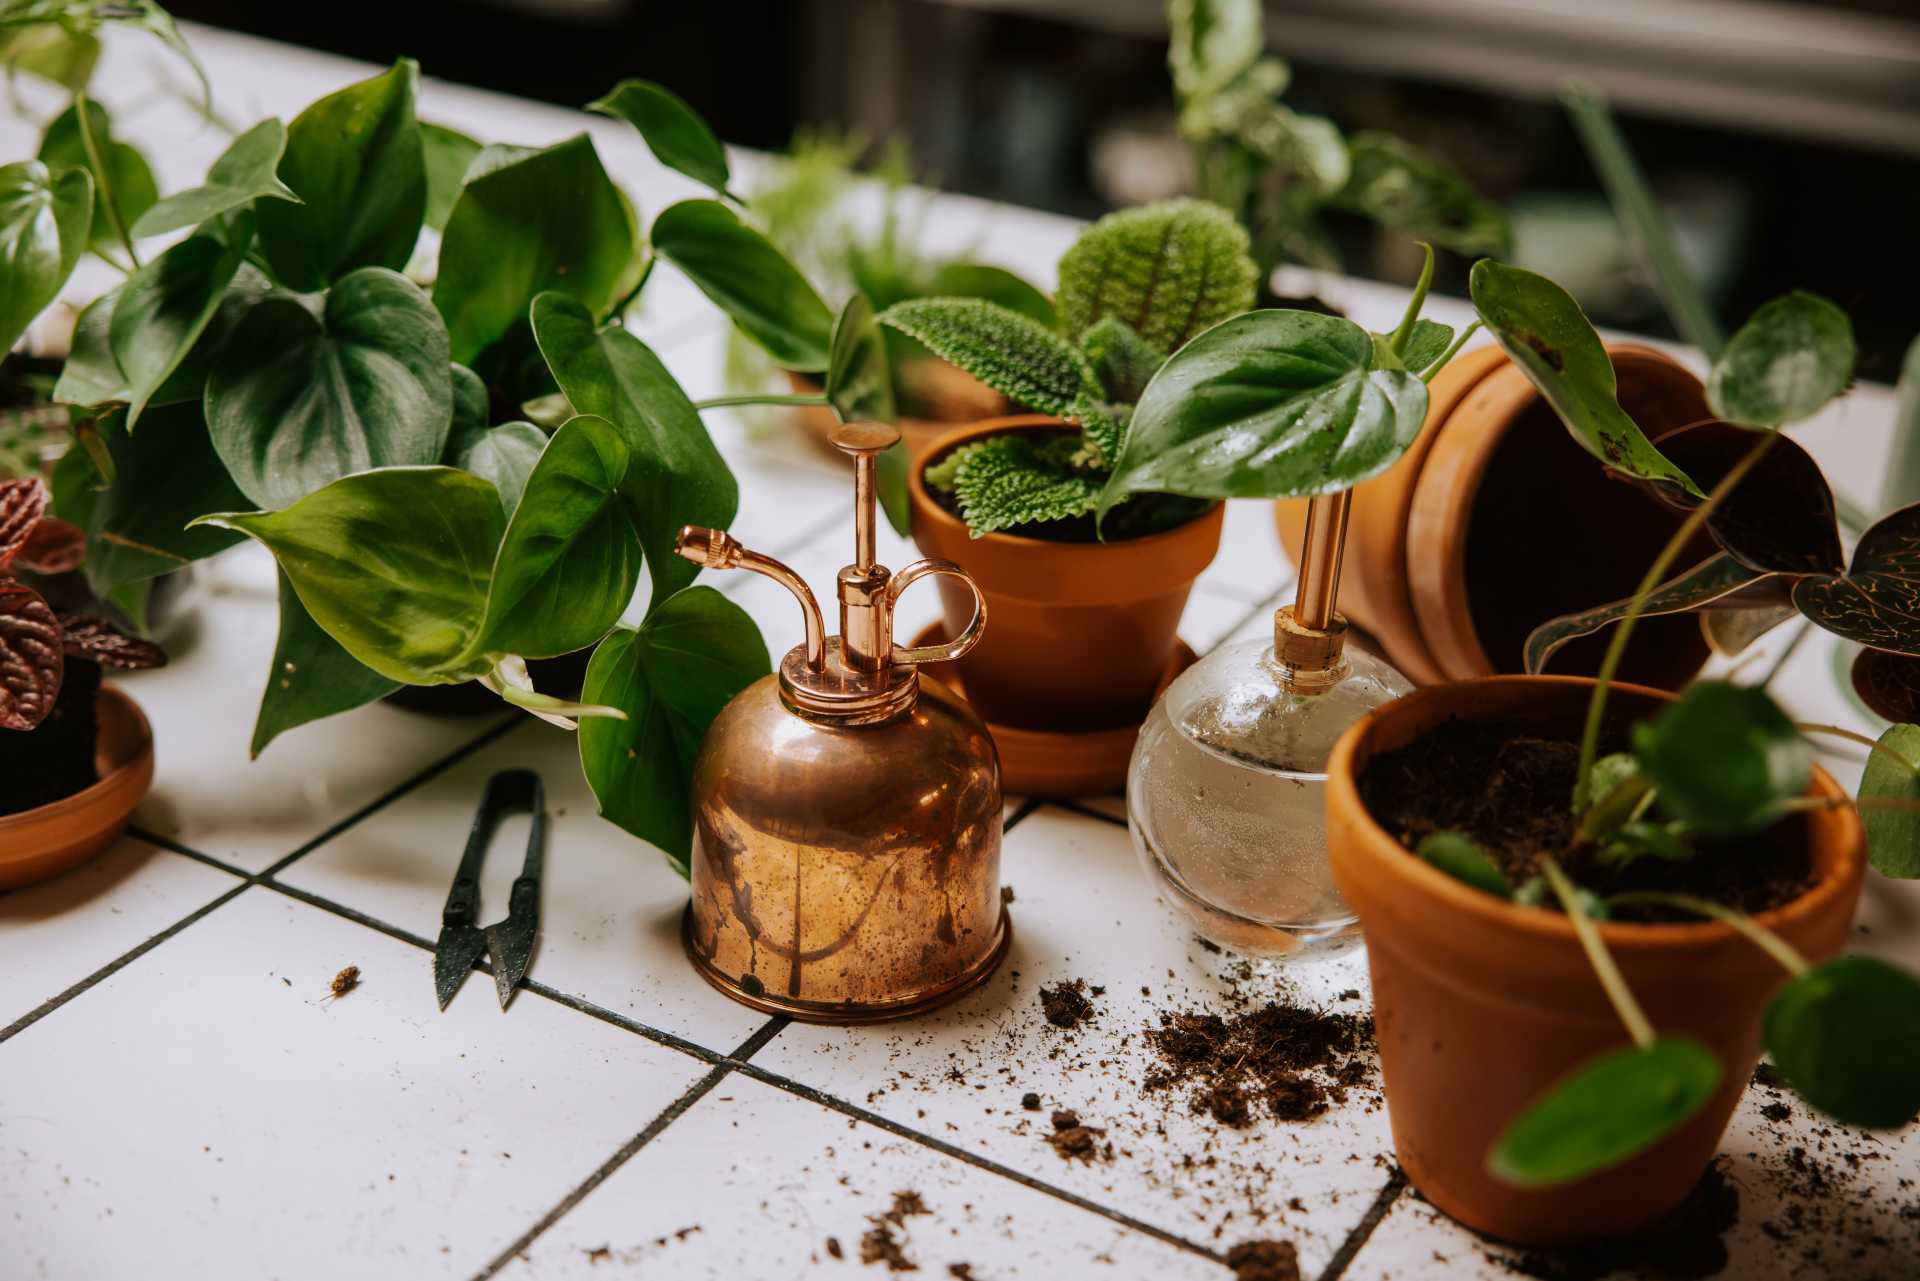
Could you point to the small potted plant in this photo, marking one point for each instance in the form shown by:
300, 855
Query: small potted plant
1537, 861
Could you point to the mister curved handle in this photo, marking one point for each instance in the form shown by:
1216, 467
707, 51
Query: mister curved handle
959, 645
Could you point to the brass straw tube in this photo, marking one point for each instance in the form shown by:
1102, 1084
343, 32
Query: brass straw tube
864, 502
1321, 549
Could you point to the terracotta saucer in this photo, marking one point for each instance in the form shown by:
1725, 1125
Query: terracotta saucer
40, 843
1053, 763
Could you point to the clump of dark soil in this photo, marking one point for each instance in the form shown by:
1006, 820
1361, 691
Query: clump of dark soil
1286, 1060
1069, 1004
1687, 1245
1511, 791
880, 1245
1264, 1261
1077, 1142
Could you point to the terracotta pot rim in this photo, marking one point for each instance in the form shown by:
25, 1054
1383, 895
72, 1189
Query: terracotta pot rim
959, 435
88, 797
1494, 913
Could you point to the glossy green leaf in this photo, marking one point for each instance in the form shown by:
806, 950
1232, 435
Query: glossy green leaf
312, 677
749, 279
91, 376
246, 171
355, 161
448, 154
1608, 1110
472, 403
570, 560
673, 131
165, 476
1541, 327
1893, 835
1462, 859
134, 190
672, 677
890, 485
1427, 342
1877, 601
1724, 758
1791, 357
43, 231
859, 383
1716, 578
509, 239
504, 455
676, 476
165, 307
393, 564
298, 400
995, 284
1272, 404
1846, 1035
1005, 350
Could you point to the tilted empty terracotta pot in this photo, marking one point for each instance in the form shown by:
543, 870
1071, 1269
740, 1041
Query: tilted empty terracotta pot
1079, 635
1481, 1005
1495, 521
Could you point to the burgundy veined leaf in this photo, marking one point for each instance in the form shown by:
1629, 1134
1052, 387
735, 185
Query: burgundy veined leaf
90, 636
54, 547
1877, 601
30, 661
1889, 684
1717, 580
1779, 519
22, 503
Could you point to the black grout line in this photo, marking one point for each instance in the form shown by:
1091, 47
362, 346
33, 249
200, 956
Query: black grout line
1383, 1201
139, 833
673, 1112
1027, 808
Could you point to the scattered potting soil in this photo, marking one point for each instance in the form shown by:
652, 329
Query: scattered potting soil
1286, 1060
1264, 1261
1511, 791
1687, 1245
344, 982
880, 1245
1068, 1004
55, 759
1077, 1142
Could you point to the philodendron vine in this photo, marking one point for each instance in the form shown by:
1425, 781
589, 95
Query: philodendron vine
454, 477
1724, 762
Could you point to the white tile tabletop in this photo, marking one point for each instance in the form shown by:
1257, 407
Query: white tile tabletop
179, 1095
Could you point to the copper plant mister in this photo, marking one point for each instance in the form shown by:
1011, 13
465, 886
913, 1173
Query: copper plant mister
847, 810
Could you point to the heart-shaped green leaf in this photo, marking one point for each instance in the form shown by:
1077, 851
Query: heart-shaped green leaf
509, 239
859, 384
570, 560
1888, 683
246, 171
1893, 835
311, 677
448, 154
63, 146
1724, 758
672, 678
43, 231
674, 132
1779, 518
676, 477
297, 400
1608, 1110
1846, 1035
66, 57
91, 376
746, 277
164, 477
393, 564
1791, 357
354, 160
1877, 601
504, 455
1272, 404
1007, 351
1462, 859
1714, 579
166, 306
1543, 329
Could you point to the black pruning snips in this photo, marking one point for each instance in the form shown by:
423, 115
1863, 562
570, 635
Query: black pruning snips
508, 944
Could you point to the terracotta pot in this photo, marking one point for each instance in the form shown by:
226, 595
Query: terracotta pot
955, 397
40, 843
1496, 521
1482, 1005
1079, 635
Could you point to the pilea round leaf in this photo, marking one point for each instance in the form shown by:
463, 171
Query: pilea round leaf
1724, 758
245, 171
674, 131
296, 401
311, 677
749, 279
23, 501
1459, 857
1893, 835
1846, 1035
696, 650
1877, 601
134, 190
92, 637
1779, 518
1888, 683
43, 231
1791, 357
858, 383
1543, 329
31, 665
1610, 1109
1011, 353
1716, 578
1271, 404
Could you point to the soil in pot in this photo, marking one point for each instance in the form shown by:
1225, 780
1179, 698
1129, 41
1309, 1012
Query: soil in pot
56, 759
1138, 517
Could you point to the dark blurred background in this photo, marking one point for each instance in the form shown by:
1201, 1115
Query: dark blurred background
1782, 138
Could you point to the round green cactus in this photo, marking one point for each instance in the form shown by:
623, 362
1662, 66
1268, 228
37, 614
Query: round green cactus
1169, 270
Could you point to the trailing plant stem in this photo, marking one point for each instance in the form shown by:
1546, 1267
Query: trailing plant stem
1760, 936
1400, 336
1615, 983
1655, 575
722, 402
97, 161
1863, 740
1447, 356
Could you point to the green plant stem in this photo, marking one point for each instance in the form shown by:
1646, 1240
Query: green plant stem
1655, 575
722, 402
97, 161
1760, 936
1615, 983
1400, 336
1646, 803
1446, 356
1862, 739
